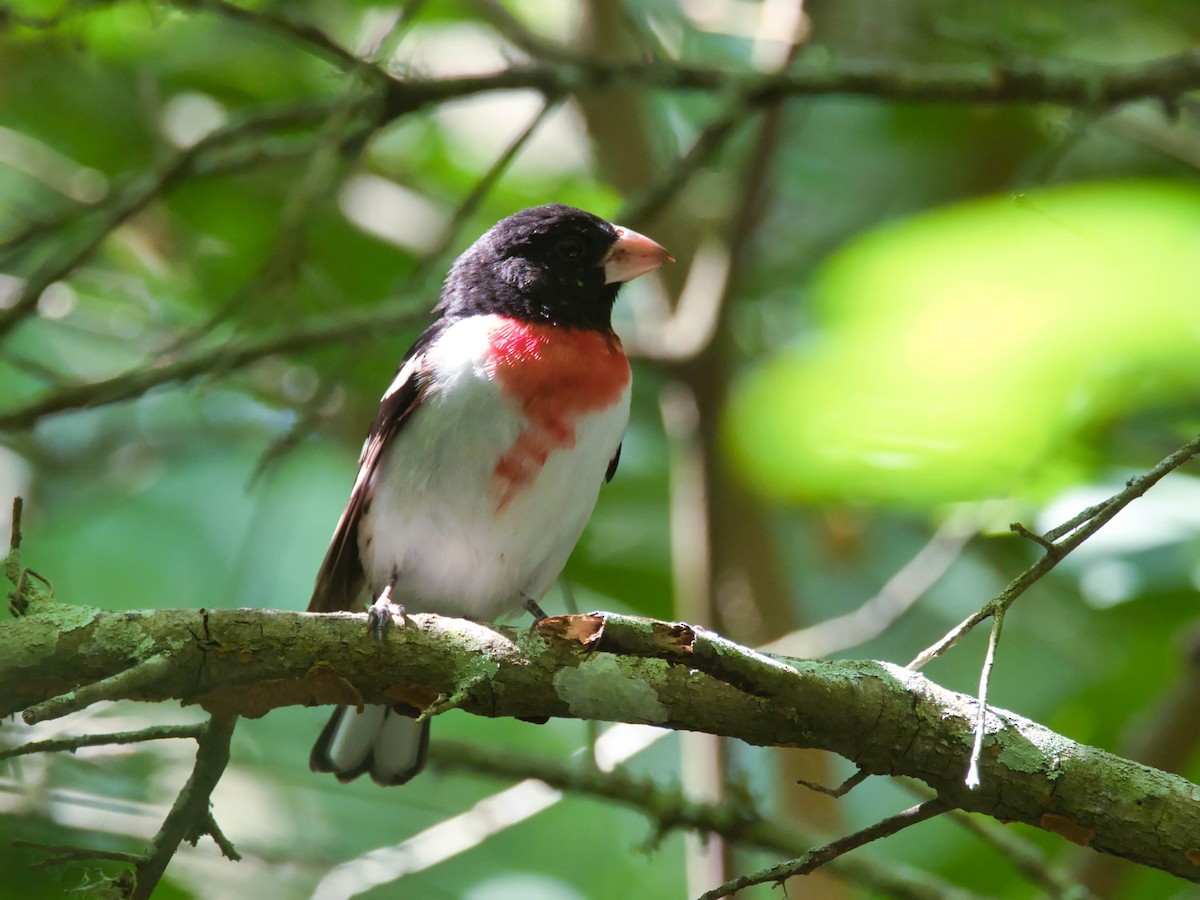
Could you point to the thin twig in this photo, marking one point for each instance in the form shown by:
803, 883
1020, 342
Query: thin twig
115, 686
1044, 542
42, 371
24, 593
484, 186
513, 30
341, 135
1026, 856
382, 46
18, 508
210, 827
43, 224
1066, 537
1084, 515
985, 676
842, 789
819, 856
71, 744
712, 137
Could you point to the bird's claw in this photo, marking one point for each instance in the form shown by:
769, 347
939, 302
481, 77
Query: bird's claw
381, 613
533, 608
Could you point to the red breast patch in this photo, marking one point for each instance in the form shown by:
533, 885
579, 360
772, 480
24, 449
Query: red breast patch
556, 374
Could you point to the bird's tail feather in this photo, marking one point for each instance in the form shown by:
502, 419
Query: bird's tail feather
385, 741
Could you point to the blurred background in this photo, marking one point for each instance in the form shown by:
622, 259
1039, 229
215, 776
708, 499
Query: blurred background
894, 327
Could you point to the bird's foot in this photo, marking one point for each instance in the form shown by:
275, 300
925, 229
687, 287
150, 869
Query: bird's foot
382, 612
532, 607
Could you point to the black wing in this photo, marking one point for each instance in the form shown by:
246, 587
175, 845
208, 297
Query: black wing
612, 465
340, 579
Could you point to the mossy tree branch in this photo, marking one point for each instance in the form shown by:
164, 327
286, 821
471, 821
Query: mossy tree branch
884, 718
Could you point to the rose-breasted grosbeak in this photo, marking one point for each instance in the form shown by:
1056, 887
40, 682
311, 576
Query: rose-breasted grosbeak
487, 453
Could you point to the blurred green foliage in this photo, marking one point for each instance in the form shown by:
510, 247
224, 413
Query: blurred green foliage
962, 354
936, 305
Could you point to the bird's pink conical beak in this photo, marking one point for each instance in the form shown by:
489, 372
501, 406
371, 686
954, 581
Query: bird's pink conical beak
632, 255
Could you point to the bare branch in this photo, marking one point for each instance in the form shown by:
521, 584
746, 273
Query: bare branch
1063, 83
513, 30
142, 189
123, 683
302, 428
190, 815
213, 830
71, 744
24, 593
1074, 84
819, 856
896, 597
1164, 735
842, 789
226, 357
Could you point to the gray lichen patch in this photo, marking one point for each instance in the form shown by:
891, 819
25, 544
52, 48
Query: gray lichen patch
67, 617
597, 686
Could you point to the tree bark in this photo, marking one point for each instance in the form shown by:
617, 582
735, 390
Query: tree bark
884, 718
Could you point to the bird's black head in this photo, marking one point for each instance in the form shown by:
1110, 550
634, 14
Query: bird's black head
553, 264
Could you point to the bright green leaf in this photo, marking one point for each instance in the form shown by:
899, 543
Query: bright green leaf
960, 354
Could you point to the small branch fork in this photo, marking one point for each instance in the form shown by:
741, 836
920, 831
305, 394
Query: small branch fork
190, 817
1058, 542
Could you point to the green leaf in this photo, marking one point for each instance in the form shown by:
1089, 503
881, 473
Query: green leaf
962, 354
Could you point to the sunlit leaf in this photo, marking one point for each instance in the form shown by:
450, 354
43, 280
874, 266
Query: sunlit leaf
961, 353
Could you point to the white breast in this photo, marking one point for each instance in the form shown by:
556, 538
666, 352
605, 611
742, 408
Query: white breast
439, 515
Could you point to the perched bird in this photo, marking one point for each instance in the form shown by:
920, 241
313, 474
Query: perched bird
486, 457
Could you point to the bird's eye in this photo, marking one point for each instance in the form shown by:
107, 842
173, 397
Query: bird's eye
570, 248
